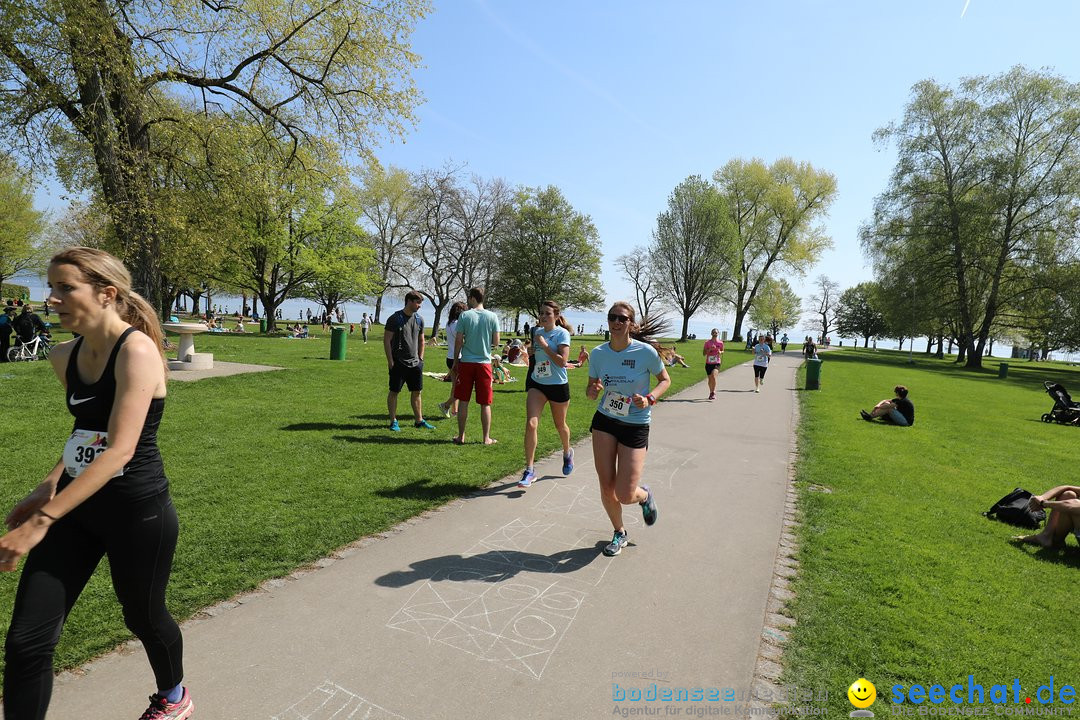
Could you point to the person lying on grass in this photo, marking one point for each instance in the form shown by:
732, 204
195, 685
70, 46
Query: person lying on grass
1064, 510
898, 411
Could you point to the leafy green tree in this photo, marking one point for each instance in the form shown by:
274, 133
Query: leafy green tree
985, 189
776, 306
551, 252
690, 250
342, 260
774, 211
21, 226
858, 312
98, 67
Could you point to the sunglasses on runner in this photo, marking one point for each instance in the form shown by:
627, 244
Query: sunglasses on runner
612, 317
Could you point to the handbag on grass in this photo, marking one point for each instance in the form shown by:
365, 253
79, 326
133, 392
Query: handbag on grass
1013, 509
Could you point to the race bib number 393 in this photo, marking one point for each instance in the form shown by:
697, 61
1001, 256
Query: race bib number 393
82, 448
616, 404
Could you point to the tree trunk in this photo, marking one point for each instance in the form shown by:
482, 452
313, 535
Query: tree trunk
929, 344
736, 333
685, 325
378, 309
866, 341
941, 347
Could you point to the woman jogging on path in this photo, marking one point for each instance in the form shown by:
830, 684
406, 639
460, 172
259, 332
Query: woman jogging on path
449, 407
549, 353
762, 355
713, 350
619, 372
107, 496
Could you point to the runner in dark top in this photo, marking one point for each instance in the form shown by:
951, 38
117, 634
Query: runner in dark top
108, 495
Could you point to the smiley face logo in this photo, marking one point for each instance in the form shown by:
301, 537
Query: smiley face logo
862, 693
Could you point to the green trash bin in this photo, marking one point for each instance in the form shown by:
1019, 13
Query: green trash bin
262, 325
337, 344
1003, 370
813, 374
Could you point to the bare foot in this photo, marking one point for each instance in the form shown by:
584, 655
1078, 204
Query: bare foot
1033, 540
490, 441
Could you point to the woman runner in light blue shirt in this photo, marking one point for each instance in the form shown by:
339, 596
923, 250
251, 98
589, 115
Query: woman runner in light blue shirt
619, 375
549, 352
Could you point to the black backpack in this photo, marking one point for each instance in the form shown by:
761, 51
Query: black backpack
1013, 509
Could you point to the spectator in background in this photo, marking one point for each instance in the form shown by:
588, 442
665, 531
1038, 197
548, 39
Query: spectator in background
5, 331
27, 324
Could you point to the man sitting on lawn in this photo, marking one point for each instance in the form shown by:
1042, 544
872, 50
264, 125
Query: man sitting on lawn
1064, 510
898, 411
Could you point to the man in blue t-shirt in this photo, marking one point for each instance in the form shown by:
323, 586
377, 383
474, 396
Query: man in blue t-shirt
477, 333
403, 343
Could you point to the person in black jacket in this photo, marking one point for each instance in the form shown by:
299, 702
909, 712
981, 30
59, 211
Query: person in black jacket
898, 411
27, 325
5, 331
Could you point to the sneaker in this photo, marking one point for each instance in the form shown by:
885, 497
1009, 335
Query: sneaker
568, 462
444, 409
757, 389
618, 542
423, 424
648, 508
527, 478
162, 709
866, 416
712, 396
394, 426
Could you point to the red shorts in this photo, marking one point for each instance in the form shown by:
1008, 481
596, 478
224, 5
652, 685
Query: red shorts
478, 374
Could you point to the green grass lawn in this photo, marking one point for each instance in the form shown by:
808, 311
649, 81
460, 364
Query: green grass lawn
271, 471
901, 579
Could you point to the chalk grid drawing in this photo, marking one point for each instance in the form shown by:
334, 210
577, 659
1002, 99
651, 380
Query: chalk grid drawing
502, 603
330, 701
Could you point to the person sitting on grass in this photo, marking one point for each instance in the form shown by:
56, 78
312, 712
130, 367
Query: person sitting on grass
499, 372
898, 411
1064, 507
582, 359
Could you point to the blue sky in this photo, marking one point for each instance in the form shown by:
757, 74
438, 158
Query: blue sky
617, 101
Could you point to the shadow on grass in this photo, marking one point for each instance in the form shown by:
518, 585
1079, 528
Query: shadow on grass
393, 438
425, 490
1068, 556
492, 567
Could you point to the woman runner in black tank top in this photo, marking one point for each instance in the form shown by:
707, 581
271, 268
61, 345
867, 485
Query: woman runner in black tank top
107, 496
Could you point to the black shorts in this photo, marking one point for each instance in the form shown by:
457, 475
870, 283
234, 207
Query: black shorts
709, 367
627, 434
554, 393
411, 376
759, 371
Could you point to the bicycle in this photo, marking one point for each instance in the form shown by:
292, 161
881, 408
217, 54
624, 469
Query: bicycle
29, 351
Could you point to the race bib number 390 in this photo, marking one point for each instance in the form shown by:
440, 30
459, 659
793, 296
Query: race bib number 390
616, 404
82, 448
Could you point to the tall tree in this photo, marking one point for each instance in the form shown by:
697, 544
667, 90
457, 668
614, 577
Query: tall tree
858, 312
776, 306
97, 66
822, 305
987, 178
386, 199
774, 211
551, 253
691, 248
21, 225
637, 268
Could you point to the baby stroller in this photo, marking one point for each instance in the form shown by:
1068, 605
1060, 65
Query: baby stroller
1065, 411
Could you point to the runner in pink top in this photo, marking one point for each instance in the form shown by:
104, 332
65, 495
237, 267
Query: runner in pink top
714, 356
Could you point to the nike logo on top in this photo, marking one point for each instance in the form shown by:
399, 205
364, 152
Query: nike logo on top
73, 401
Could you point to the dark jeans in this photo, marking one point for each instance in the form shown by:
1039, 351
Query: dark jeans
139, 539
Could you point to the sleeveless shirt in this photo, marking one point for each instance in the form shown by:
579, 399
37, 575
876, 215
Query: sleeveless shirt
91, 404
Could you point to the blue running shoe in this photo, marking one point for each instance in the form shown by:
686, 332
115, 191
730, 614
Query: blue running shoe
527, 478
568, 463
395, 427
424, 424
618, 542
648, 508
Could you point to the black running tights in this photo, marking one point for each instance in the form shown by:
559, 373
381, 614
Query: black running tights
139, 539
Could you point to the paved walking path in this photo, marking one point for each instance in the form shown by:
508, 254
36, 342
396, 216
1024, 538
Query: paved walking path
501, 605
